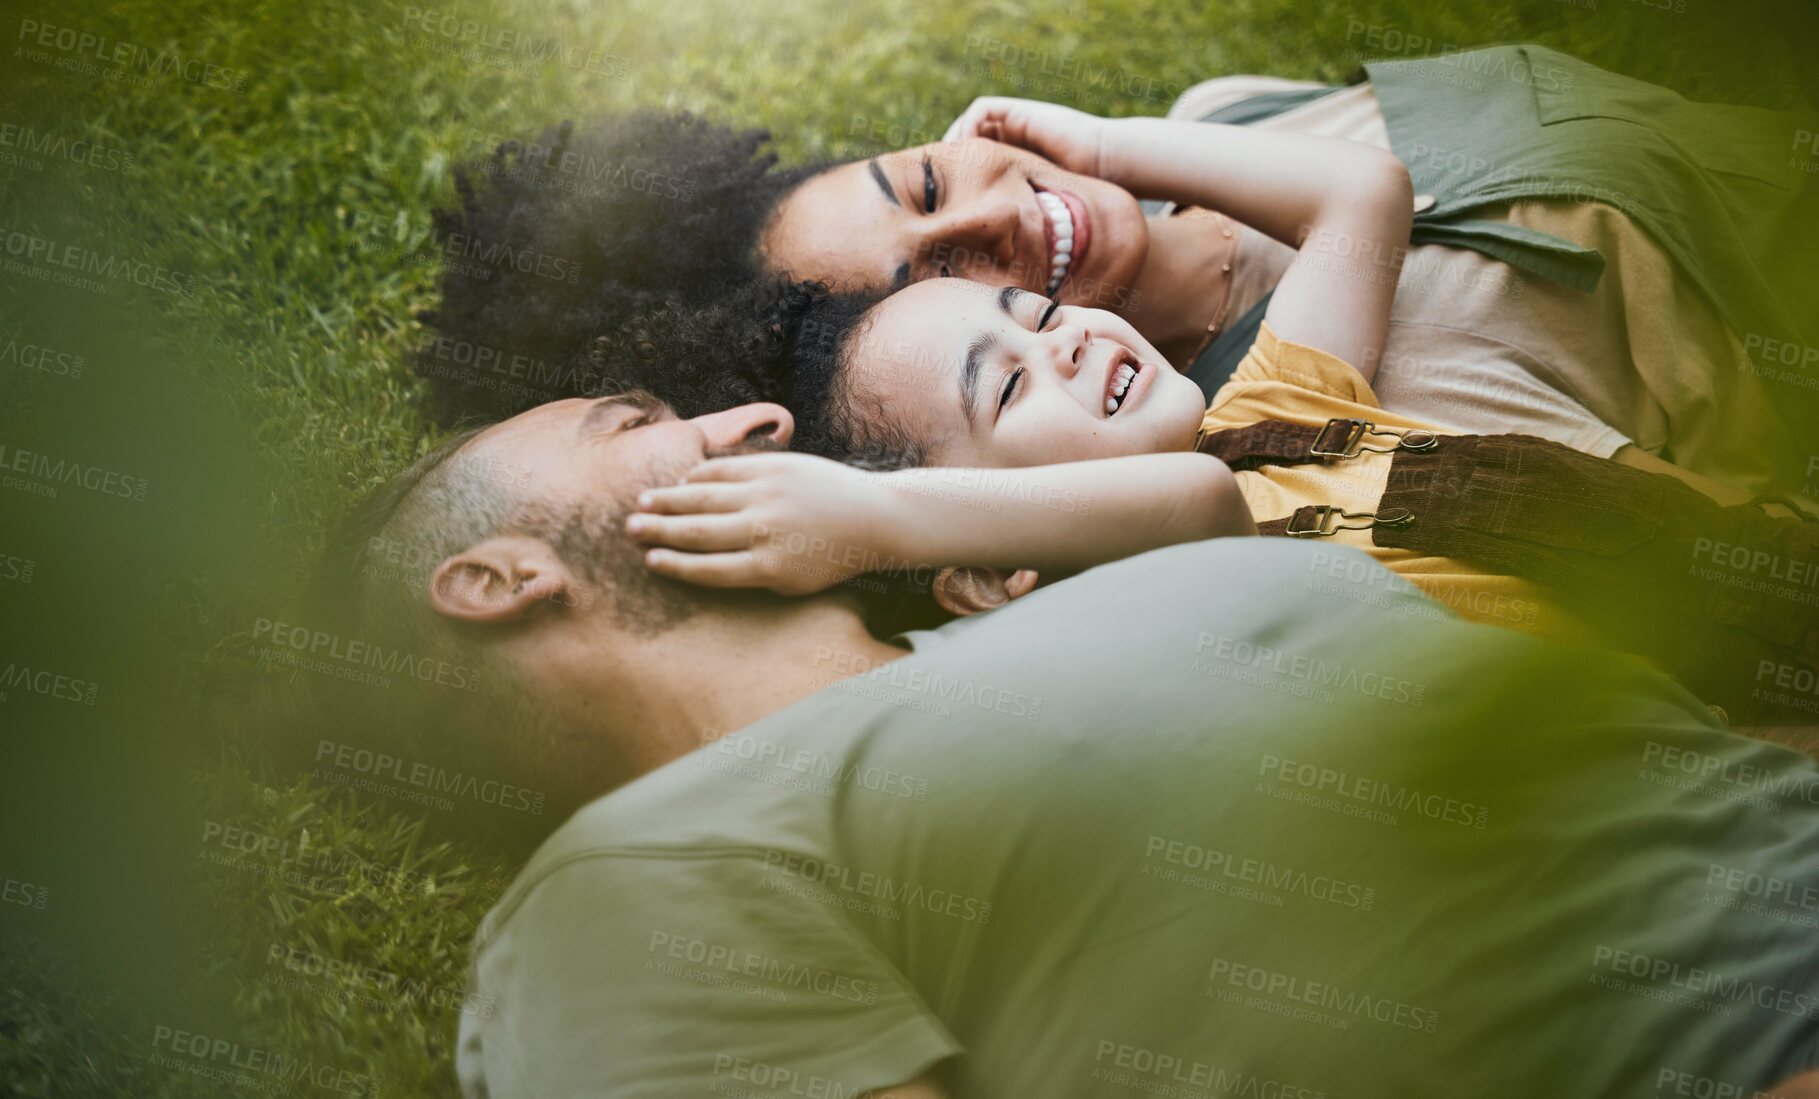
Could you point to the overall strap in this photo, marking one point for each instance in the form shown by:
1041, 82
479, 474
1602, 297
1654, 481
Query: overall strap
1280, 443
1321, 520
1269, 443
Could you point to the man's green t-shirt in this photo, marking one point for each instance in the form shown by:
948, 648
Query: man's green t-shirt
1236, 818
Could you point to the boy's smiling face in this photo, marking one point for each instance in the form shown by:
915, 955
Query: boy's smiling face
1002, 377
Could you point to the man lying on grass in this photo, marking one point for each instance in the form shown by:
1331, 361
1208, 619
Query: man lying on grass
1223, 817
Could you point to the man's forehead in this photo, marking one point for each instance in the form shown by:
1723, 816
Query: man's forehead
548, 430
535, 422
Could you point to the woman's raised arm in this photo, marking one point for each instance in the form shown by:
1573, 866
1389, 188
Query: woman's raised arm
1344, 205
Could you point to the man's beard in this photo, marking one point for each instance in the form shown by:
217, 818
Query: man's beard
593, 542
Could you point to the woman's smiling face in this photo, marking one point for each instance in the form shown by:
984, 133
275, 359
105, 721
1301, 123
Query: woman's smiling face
975, 209
1004, 377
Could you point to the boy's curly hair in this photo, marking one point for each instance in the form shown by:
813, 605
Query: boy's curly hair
788, 342
557, 241
769, 340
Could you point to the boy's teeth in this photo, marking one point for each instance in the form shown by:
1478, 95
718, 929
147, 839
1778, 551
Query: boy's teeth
1122, 381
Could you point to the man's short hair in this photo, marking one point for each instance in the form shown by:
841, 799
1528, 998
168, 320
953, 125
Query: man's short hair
370, 586
447, 700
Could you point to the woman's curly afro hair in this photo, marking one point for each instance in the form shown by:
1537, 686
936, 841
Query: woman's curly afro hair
563, 239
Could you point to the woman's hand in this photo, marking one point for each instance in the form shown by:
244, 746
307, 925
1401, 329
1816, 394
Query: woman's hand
792, 523
1073, 139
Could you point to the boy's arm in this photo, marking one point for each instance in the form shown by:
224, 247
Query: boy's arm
797, 524
1067, 517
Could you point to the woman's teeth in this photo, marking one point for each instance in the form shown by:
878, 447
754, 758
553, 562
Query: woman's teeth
1121, 381
1061, 226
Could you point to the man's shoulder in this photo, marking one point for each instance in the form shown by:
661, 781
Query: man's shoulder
596, 854
1270, 586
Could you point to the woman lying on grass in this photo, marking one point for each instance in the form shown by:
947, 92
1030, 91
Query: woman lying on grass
1117, 453
1540, 293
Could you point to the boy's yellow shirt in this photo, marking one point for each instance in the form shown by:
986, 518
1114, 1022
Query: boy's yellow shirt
1279, 380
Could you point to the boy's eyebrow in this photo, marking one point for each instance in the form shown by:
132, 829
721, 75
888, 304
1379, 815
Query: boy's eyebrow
977, 351
969, 371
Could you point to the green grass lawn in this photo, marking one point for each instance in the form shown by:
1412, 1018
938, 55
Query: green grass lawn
292, 184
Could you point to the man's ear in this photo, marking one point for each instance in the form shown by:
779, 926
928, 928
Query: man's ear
969, 590
499, 580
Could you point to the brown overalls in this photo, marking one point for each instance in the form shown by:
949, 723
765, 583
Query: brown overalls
1725, 599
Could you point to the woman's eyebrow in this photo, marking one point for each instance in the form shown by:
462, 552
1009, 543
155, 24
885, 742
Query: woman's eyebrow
901, 276
883, 183
1006, 297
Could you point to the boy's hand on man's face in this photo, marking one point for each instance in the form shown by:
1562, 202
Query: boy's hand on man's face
792, 523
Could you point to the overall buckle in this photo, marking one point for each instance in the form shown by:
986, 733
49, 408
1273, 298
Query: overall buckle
1322, 520
1344, 438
